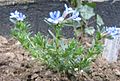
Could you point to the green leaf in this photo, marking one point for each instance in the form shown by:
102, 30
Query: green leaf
93, 5
90, 30
52, 34
98, 35
99, 20
86, 12
63, 45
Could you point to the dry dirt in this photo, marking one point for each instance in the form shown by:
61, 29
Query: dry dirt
17, 65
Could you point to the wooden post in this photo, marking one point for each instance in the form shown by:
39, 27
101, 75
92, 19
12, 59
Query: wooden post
111, 49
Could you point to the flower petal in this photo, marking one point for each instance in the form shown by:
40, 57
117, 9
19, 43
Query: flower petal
77, 19
66, 8
57, 14
60, 19
51, 15
17, 15
50, 20
113, 31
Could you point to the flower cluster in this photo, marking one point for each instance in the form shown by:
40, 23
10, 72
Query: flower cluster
68, 55
56, 17
17, 15
112, 31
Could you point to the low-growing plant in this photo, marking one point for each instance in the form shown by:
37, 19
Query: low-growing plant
63, 55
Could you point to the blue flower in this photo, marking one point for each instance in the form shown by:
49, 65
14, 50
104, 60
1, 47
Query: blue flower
17, 15
67, 11
112, 31
71, 14
68, 14
55, 17
75, 16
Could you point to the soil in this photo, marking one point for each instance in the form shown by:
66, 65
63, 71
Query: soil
16, 64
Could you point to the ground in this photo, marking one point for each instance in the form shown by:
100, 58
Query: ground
16, 64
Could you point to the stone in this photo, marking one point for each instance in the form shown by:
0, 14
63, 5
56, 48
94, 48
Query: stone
111, 49
117, 72
34, 76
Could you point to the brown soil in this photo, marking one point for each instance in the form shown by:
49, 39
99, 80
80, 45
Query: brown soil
17, 65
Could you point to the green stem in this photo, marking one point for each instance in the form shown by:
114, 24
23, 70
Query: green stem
75, 31
57, 31
30, 42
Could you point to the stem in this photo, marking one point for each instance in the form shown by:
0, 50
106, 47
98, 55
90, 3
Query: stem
31, 42
75, 31
57, 31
